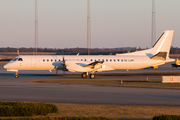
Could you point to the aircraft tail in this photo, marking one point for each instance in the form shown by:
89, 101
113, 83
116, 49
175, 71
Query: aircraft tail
161, 48
163, 44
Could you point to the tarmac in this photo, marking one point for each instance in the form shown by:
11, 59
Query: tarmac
12, 89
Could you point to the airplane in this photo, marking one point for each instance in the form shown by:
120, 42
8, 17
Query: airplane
155, 56
176, 63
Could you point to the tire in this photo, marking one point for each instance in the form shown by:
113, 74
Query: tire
16, 76
92, 76
83, 75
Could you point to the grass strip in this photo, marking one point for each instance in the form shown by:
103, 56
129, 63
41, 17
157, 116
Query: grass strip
114, 83
26, 109
113, 111
71, 110
62, 118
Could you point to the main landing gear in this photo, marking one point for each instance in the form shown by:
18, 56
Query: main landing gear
16, 75
92, 76
85, 74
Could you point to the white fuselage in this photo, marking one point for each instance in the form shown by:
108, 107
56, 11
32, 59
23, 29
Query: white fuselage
52, 62
157, 55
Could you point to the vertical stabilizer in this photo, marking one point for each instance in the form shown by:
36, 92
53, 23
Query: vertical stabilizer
164, 43
162, 46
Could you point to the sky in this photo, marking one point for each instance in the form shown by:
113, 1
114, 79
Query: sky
63, 23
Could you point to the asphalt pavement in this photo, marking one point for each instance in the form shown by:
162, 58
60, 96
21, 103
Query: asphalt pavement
12, 89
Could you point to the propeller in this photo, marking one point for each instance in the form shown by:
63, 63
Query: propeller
64, 65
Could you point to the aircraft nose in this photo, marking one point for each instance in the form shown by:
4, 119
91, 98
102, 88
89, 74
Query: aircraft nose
6, 66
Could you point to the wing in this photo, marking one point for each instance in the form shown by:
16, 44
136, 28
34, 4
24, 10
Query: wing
92, 65
85, 66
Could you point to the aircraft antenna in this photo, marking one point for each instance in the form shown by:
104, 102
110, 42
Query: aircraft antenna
153, 23
88, 27
36, 27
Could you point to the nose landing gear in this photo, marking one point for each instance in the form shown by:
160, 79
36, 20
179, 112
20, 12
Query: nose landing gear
16, 75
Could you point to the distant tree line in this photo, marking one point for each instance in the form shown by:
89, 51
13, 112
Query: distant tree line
175, 50
83, 51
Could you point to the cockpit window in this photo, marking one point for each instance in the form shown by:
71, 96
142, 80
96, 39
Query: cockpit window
20, 59
15, 59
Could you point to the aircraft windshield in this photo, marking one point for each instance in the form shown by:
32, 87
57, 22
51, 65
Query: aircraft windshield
18, 59
15, 59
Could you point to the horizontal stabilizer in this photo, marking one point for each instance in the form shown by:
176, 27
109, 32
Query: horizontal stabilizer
159, 56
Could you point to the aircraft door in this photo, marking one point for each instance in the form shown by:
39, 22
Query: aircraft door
33, 61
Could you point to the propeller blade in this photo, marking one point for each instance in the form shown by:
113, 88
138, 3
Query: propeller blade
64, 66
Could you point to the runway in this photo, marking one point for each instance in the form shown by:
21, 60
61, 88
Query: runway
12, 89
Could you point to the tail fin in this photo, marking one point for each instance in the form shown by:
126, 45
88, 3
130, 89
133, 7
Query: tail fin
161, 48
163, 44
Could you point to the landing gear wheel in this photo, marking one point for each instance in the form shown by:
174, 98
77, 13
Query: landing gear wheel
16, 75
83, 75
92, 76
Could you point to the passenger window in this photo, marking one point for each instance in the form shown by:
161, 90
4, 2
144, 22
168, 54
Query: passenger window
59, 60
114, 60
20, 59
102, 59
91, 60
106, 60
99, 60
55, 60
122, 60
43, 60
110, 60
118, 60
47, 60
81, 59
84, 59
51, 60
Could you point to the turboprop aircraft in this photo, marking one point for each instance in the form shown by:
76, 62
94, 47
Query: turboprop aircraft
157, 55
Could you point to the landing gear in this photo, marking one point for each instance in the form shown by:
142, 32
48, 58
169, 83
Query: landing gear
16, 75
92, 76
84, 75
